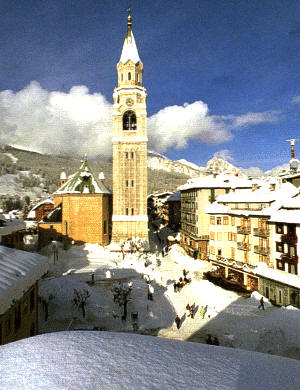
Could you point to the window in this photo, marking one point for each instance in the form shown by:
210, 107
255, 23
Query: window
137, 77
212, 250
212, 235
32, 301
121, 76
132, 211
232, 221
132, 183
104, 227
225, 220
129, 75
279, 247
280, 265
233, 253
126, 183
234, 237
219, 221
229, 236
212, 220
126, 154
127, 213
292, 251
293, 269
219, 236
212, 197
132, 154
279, 228
219, 252
129, 120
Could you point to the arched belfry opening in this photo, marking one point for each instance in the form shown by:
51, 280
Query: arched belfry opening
129, 120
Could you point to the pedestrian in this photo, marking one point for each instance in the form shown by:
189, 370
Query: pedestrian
192, 312
202, 312
188, 310
184, 272
209, 339
175, 287
216, 341
261, 304
150, 292
177, 321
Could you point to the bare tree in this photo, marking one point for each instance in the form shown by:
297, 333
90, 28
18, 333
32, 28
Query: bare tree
80, 299
121, 296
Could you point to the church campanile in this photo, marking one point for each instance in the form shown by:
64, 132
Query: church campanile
129, 140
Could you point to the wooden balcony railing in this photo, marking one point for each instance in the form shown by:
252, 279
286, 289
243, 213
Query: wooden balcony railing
289, 238
261, 250
243, 230
243, 246
261, 232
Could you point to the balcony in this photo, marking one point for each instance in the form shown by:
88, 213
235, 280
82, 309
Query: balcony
261, 232
243, 246
289, 259
243, 230
261, 250
289, 239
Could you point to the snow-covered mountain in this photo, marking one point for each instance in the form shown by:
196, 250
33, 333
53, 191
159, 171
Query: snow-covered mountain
93, 360
215, 165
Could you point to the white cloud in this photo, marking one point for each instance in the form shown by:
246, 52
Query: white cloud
224, 154
56, 122
174, 126
252, 118
296, 100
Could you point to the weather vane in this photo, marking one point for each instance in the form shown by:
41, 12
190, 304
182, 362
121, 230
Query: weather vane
129, 10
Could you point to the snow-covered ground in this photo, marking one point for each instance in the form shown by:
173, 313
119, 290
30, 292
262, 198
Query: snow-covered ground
108, 360
235, 320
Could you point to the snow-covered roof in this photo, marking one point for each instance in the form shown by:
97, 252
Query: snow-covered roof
45, 201
174, 197
108, 360
129, 51
286, 216
220, 181
11, 226
19, 270
280, 276
83, 181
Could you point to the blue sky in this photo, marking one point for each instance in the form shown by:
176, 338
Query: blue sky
240, 58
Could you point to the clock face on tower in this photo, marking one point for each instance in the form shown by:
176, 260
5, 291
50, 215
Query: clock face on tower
129, 102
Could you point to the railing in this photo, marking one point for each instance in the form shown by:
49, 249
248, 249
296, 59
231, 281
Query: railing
243, 246
261, 250
261, 232
289, 239
243, 230
289, 259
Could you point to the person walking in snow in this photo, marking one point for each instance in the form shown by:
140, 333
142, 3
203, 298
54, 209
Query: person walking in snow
192, 312
188, 310
150, 292
175, 287
177, 321
261, 304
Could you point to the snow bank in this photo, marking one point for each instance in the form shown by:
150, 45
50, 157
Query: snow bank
102, 360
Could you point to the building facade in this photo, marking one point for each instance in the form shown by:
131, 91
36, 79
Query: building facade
82, 211
253, 241
196, 195
129, 140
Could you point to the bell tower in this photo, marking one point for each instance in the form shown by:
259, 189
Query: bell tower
129, 140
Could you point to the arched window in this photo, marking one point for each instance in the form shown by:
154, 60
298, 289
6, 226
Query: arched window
129, 75
129, 120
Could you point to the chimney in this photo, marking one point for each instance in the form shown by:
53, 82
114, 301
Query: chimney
254, 186
63, 178
232, 189
272, 186
215, 175
101, 177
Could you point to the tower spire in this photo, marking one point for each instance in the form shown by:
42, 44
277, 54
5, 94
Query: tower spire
129, 51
